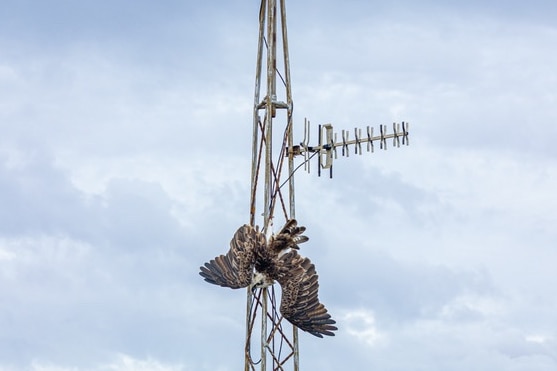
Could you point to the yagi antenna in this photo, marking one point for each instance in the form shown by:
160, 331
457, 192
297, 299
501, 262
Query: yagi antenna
328, 143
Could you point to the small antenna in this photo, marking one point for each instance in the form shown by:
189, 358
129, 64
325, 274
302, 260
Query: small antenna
327, 144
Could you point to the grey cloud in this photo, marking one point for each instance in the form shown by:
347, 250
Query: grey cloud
125, 163
112, 266
37, 198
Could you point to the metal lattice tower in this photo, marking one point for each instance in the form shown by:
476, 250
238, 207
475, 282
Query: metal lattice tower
271, 342
278, 344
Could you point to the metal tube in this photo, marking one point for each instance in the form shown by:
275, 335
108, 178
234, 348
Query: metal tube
256, 102
247, 361
264, 330
254, 167
269, 108
291, 190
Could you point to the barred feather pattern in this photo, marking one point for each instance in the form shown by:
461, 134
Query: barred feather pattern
289, 237
235, 269
300, 303
276, 260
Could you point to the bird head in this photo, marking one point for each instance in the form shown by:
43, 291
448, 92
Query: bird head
260, 281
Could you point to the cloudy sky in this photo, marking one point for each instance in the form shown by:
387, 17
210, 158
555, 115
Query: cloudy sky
125, 158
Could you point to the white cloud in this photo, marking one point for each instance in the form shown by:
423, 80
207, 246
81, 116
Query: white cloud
37, 366
473, 307
124, 165
6, 255
361, 324
127, 363
122, 362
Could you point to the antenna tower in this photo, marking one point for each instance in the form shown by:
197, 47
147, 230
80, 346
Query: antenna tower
278, 344
271, 342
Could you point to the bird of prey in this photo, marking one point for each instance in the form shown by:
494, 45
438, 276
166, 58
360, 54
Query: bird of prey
254, 262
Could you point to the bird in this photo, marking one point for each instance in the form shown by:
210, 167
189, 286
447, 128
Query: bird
254, 262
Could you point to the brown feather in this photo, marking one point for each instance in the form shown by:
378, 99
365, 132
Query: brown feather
300, 303
296, 275
235, 269
288, 237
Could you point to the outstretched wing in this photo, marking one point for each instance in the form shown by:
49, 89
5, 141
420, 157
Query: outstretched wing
300, 304
235, 269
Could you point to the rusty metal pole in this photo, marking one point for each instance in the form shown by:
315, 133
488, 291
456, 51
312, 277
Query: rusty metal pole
277, 348
270, 109
291, 193
254, 173
270, 113
256, 100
